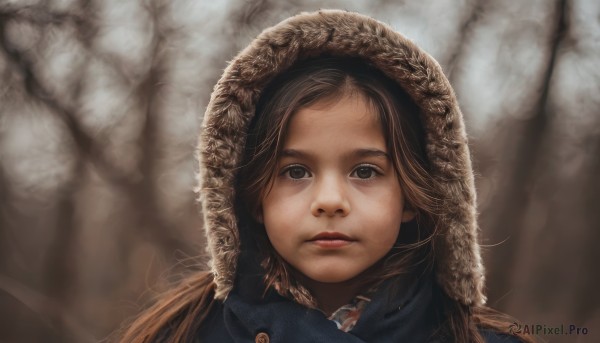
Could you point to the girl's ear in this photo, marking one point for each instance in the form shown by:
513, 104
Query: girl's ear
408, 214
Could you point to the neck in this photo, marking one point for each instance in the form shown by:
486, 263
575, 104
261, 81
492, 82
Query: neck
332, 296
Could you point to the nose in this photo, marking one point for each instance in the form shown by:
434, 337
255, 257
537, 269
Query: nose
330, 198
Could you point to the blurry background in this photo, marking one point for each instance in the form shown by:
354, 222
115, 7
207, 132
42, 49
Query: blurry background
100, 105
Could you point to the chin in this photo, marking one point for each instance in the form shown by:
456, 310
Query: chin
331, 277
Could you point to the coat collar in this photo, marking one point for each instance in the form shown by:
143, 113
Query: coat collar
402, 308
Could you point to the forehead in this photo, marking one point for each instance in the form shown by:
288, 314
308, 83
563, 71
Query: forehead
350, 119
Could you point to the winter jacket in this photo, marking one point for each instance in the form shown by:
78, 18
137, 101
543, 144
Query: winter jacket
410, 318
405, 314
242, 313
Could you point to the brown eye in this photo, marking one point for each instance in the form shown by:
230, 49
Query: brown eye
364, 172
296, 172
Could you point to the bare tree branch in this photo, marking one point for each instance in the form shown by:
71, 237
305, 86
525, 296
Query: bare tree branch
143, 192
525, 166
37, 92
465, 30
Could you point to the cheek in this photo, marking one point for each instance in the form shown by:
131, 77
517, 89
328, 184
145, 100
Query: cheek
383, 217
280, 232
278, 212
385, 231
383, 205
283, 202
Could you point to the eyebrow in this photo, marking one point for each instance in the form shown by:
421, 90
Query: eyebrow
364, 152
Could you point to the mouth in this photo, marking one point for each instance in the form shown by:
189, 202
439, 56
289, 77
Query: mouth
331, 240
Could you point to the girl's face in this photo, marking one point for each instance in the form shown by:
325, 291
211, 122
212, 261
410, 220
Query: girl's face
336, 206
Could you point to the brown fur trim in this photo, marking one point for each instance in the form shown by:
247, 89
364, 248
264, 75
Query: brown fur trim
458, 263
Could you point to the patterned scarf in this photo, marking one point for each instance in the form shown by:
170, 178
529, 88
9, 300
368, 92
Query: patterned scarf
346, 316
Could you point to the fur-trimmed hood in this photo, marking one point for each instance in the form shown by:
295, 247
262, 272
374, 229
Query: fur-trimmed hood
458, 266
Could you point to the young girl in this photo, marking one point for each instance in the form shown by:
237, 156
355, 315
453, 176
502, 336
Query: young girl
338, 198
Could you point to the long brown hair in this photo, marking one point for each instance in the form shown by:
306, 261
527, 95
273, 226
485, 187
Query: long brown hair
175, 316
178, 315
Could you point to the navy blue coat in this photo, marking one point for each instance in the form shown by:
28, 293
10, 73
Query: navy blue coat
281, 320
394, 314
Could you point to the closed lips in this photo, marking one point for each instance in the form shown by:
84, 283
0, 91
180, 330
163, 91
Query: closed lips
331, 236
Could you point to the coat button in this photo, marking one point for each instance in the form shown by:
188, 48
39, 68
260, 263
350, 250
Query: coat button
262, 338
